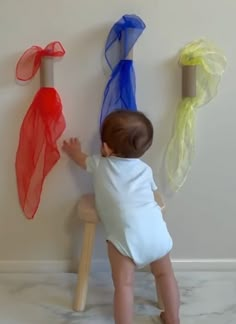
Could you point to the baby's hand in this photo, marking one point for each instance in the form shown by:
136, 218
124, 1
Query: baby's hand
72, 148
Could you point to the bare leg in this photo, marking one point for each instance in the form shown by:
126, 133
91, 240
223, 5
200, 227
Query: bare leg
122, 269
160, 304
165, 279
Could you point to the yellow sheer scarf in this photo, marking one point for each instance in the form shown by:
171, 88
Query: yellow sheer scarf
211, 64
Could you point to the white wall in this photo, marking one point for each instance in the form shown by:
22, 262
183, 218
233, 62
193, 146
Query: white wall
202, 216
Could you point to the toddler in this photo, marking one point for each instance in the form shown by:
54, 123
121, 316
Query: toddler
124, 192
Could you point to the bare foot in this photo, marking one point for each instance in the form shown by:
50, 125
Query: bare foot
164, 321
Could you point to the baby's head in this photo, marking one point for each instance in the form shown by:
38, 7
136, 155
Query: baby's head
126, 134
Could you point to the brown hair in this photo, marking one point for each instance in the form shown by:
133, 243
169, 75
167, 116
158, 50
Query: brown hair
129, 134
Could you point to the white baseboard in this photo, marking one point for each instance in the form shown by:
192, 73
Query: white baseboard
184, 265
41, 266
101, 265
204, 264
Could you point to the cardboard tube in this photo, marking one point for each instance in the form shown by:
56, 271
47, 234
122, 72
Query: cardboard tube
46, 72
122, 48
189, 81
130, 55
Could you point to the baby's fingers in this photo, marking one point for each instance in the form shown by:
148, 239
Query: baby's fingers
74, 140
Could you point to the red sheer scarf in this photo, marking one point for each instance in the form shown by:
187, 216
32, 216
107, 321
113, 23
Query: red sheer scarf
43, 124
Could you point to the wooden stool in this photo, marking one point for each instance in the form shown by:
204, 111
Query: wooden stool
88, 216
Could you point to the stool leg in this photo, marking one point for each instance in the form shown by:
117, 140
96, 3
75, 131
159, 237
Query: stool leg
84, 267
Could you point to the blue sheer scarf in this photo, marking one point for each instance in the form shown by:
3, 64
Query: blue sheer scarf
121, 87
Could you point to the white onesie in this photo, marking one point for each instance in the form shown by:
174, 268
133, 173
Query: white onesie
126, 205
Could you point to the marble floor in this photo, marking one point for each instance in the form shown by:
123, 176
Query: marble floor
207, 298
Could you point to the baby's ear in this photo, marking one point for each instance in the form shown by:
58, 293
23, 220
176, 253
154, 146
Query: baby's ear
106, 150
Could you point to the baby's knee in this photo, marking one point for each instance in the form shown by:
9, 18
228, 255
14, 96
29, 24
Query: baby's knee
162, 274
123, 281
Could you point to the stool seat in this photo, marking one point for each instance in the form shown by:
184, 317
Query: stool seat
87, 209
